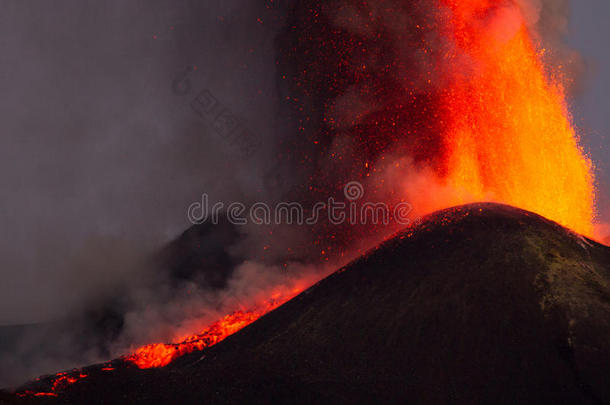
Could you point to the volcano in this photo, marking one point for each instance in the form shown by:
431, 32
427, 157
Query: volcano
478, 303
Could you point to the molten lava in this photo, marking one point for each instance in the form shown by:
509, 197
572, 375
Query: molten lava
160, 355
508, 131
60, 382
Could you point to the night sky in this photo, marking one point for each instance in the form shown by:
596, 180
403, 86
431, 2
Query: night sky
588, 33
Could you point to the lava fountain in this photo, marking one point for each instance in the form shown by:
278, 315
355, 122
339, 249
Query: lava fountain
508, 135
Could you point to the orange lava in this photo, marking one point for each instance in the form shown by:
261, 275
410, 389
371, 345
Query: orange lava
60, 382
509, 135
160, 354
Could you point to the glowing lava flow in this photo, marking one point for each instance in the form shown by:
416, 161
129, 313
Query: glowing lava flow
509, 135
60, 382
160, 355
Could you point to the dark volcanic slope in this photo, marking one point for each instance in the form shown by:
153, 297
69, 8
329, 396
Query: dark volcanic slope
479, 303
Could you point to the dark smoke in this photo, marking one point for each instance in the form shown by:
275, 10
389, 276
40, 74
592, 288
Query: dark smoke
101, 156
